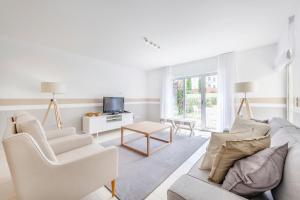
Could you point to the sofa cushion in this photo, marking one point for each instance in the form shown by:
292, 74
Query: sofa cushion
235, 150
80, 152
284, 135
290, 184
35, 129
246, 125
216, 142
69, 142
190, 188
199, 173
278, 123
257, 173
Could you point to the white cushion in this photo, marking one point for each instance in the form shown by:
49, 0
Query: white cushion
80, 152
216, 142
69, 142
35, 129
20, 118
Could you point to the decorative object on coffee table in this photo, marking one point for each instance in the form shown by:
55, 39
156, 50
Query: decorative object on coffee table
54, 88
146, 128
244, 87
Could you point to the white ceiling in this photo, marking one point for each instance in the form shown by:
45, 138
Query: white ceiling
113, 30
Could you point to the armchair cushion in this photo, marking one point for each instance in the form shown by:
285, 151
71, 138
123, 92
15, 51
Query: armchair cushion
35, 129
69, 142
21, 118
60, 132
80, 152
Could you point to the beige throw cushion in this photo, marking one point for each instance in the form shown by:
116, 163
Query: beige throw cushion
216, 142
242, 129
235, 150
245, 125
35, 129
22, 117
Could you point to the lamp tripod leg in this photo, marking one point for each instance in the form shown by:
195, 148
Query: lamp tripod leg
47, 112
249, 110
241, 106
57, 115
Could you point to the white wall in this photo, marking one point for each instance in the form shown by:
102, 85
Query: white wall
198, 67
23, 66
154, 83
256, 65
252, 65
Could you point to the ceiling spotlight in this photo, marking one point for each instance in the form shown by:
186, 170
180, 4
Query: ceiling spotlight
151, 43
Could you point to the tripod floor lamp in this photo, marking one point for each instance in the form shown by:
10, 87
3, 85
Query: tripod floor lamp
244, 87
54, 88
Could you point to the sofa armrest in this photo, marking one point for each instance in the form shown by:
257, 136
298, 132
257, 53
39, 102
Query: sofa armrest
51, 134
190, 188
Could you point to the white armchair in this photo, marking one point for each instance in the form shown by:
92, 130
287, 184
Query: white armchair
70, 175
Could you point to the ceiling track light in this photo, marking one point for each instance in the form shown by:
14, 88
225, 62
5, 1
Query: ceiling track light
151, 43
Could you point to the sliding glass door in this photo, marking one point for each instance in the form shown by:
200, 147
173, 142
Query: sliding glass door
196, 99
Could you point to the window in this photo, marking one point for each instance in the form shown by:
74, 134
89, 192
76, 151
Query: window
196, 98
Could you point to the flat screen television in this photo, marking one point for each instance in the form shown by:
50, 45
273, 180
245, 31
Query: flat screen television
113, 104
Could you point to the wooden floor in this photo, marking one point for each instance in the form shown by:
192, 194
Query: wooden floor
7, 189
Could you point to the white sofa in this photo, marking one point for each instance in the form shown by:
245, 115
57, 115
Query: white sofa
195, 184
78, 168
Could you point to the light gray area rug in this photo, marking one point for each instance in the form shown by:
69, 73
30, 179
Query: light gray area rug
140, 175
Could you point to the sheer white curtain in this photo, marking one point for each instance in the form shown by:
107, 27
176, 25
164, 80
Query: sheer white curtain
166, 100
226, 81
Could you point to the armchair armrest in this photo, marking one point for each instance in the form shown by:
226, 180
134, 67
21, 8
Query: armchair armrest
84, 175
35, 177
51, 134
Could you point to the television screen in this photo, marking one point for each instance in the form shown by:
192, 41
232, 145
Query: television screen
113, 104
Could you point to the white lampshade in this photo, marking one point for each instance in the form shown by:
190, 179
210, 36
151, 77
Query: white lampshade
53, 87
245, 87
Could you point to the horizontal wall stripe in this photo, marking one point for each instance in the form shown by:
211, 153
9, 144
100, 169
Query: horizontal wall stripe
62, 106
267, 100
264, 105
13, 102
28, 104
10, 102
40, 107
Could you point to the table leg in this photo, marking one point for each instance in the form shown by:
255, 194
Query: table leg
176, 129
148, 145
171, 134
122, 136
192, 131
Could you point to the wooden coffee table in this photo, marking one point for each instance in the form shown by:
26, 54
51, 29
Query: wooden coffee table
146, 128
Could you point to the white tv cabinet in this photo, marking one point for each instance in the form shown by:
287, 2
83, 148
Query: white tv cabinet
93, 125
